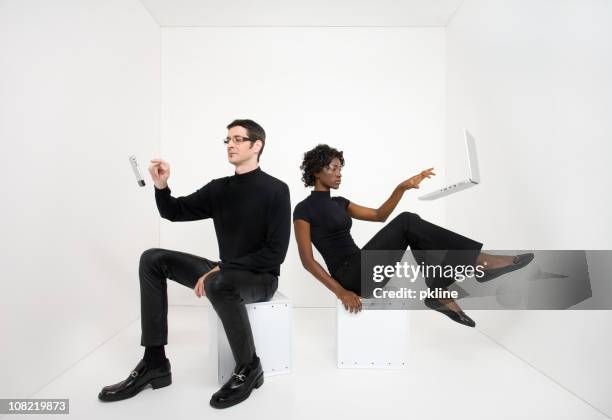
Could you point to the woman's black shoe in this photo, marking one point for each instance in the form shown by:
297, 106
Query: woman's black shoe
140, 377
519, 261
239, 386
460, 317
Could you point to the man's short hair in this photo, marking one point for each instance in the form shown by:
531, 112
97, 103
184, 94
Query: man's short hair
254, 132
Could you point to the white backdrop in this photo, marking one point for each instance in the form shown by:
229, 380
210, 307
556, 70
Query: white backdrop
80, 93
376, 94
532, 81
80, 85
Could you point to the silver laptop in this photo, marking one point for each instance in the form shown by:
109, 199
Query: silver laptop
474, 176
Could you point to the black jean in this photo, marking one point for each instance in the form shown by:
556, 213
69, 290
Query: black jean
227, 290
409, 229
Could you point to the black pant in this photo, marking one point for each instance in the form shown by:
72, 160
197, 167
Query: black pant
227, 290
408, 229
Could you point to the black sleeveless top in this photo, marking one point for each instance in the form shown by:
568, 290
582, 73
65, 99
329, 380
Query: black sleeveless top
330, 227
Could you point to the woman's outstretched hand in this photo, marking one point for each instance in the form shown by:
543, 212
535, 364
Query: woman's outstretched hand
350, 300
416, 180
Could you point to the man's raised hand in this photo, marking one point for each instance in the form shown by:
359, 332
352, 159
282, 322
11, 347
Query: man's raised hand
160, 172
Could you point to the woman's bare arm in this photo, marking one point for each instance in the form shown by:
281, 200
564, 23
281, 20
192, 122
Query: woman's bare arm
349, 299
382, 213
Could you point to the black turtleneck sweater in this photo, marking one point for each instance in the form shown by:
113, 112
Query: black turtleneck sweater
330, 227
251, 213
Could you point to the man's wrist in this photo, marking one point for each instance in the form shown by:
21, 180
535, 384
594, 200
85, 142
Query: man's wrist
161, 186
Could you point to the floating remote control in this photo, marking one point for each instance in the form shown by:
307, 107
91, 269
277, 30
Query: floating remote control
136, 171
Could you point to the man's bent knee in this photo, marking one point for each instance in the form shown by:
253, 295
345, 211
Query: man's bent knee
151, 256
214, 285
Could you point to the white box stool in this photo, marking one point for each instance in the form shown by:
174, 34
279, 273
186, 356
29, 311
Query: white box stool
271, 326
372, 338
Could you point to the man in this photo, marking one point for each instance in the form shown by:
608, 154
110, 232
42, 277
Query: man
251, 215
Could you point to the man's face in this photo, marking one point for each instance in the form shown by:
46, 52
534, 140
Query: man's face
239, 149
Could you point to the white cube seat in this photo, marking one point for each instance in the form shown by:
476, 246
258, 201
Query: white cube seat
372, 338
271, 325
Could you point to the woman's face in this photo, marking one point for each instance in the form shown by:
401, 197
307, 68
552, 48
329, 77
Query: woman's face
330, 175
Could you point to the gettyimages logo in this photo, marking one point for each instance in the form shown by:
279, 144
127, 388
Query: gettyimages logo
412, 272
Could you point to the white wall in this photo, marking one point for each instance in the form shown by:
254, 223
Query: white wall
377, 94
532, 82
294, 13
80, 93
80, 83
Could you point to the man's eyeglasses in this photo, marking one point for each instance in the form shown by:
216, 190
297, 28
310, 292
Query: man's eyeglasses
237, 139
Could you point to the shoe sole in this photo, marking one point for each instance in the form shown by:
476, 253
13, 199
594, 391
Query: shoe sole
258, 382
156, 383
446, 312
449, 314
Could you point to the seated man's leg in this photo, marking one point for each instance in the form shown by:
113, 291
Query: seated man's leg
157, 265
229, 291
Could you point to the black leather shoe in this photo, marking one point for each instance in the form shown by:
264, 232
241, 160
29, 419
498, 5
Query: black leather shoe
140, 377
460, 317
239, 386
519, 261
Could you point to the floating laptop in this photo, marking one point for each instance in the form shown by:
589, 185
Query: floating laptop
473, 179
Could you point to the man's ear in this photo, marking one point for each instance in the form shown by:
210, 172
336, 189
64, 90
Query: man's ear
258, 144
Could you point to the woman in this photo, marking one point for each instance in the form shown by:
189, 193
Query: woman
325, 221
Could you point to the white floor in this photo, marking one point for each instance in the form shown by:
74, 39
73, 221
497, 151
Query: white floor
456, 373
